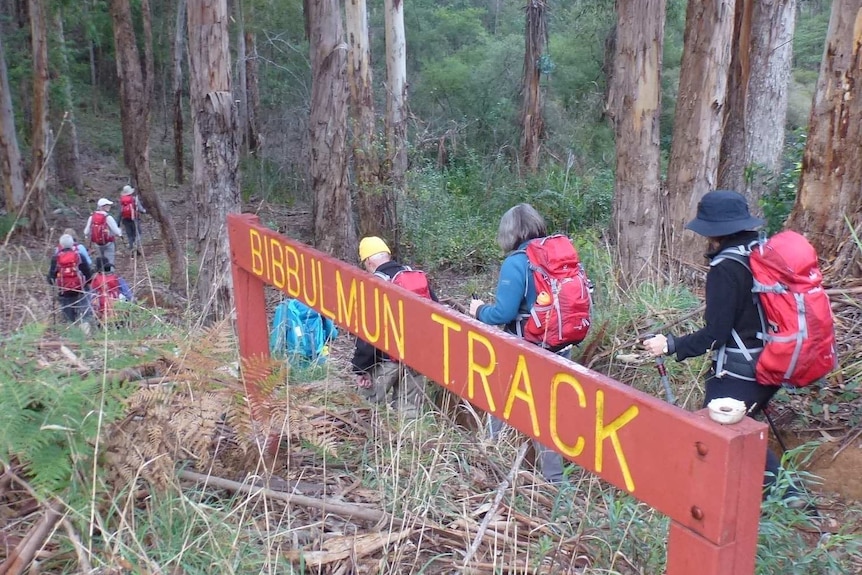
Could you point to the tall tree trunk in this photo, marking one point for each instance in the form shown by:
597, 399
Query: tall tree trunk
135, 97
253, 91
67, 158
376, 206
532, 121
693, 166
10, 154
36, 204
215, 183
829, 189
396, 96
177, 90
757, 96
634, 105
333, 215
241, 83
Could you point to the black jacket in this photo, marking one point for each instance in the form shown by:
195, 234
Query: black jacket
366, 356
729, 304
83, 267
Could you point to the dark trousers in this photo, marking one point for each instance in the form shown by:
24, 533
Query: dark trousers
73, 305
752, 394
131, 229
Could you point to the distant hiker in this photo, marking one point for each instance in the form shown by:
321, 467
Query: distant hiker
82, 249
731, 319
70, 273
101, 228
107, 288
515, 296
378, 374
130, 213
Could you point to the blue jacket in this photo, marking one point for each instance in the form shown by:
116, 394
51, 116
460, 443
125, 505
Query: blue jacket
516, 292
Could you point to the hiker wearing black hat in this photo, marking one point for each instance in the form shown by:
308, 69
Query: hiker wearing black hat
731, 320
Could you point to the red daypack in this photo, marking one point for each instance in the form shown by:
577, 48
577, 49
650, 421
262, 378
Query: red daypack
100, 234
69, 276
106, 290
410, 279
799, 332
561, 314
128, 207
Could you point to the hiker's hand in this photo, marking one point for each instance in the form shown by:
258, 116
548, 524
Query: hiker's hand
363, 381
475, 304
656, 345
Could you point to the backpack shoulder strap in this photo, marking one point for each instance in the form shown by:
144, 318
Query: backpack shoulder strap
739, 254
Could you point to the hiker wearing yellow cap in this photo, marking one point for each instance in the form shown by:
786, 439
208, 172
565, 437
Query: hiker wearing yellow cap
377, 375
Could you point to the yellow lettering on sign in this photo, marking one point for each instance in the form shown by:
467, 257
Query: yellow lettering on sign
560, 379
447, 325
526, 395
603, 432
256, 258
323, 309
346, 305
292, 264
394, 326
366, 333
311, 301
483, 370
277, 263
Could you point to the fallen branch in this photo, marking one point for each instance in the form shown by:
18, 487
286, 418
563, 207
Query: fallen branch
346, 510
21, 557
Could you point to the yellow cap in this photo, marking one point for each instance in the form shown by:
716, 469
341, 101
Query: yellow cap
370, 246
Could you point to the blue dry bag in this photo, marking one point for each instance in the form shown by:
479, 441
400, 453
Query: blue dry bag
300, 332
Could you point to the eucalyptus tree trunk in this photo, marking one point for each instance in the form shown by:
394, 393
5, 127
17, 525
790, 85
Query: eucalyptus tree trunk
215, 184
693, 167
136, 85
241, 87
35, 204
396, 96
829, 195
634, 106
67, 157
253, 91
757, 95
376, 205
333, 216
532, 121
177, 90
11, 162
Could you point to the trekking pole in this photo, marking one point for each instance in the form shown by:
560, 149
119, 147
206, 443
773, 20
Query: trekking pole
662, 372
774, 430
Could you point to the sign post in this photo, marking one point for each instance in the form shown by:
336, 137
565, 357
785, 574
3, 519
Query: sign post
706, 477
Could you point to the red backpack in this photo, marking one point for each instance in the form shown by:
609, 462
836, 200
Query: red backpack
799, 333
69, 276
100, 234
561, 314
106, 290
410, 279
128, 207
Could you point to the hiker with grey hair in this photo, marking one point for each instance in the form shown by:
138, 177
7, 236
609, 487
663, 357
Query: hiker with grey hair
516, 293
70, 274
101, 228
130, 218
82, 249
731, 319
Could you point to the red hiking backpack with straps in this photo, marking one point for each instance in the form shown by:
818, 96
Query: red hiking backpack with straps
799, 332
128, 207
69, 277
561, 314
410, 279
106, 290
100, 233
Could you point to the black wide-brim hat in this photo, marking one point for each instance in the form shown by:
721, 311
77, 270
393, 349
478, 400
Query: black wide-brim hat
721, 213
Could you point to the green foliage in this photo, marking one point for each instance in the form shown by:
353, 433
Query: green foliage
49, 421
778, 202
810, 34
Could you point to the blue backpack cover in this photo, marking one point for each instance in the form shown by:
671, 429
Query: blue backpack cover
299, 331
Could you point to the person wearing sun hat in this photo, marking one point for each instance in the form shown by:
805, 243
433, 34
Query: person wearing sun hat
130, 211
731, 319
101, 228
377, 375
